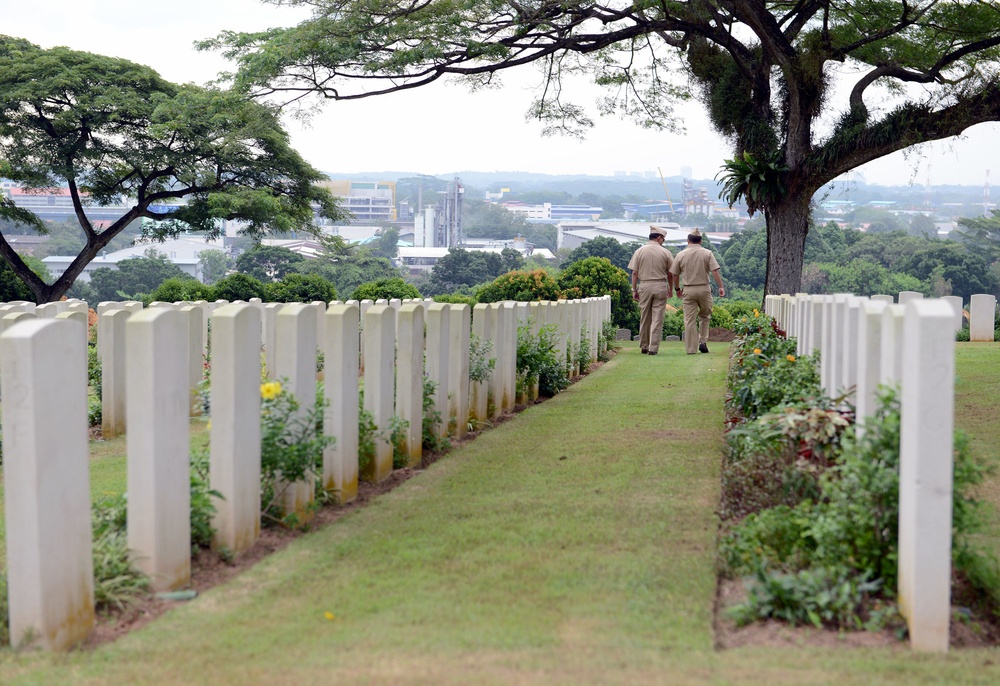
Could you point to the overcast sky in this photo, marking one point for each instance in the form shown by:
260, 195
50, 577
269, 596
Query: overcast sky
441, 128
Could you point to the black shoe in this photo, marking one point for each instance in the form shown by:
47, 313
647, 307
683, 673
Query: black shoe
651, 353
644, 351
702, 348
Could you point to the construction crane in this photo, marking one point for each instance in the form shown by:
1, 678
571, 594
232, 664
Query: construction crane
664, 182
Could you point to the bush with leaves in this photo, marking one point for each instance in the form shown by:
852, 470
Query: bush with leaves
385, 289
291, 447
596, 276
845, 540
522, 286
301, 288
177, 289
239, 287
538, 361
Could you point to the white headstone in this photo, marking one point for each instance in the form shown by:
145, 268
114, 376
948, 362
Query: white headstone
111, 335
459, 325
890, 366
234, 467
482, 329
380, 370
340, 418
907, 296
410, 378
927, 422
438, 362
982, 318
869, 357
158, 446
956, 304
50, 578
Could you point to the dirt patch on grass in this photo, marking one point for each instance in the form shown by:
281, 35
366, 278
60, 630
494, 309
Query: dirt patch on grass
717, 334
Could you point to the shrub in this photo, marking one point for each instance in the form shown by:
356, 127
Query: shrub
301, 288
385, 289
116, 581
521, 286
537, 361
597, 276
456, 298
292, 444
177, 288
239, 287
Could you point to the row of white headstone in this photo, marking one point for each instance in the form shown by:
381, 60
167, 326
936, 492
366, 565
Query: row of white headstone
867, 342
152, 354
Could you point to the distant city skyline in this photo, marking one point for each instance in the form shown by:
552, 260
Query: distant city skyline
442, 128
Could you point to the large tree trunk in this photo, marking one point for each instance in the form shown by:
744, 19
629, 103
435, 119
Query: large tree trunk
787, 226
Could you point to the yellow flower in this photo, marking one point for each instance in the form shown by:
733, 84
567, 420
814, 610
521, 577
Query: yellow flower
790, 358
744, 319
329, 615
270, 390
756, 351
208, 425
756, 312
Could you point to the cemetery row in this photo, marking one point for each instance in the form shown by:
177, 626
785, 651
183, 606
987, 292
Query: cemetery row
152, 364
864, 343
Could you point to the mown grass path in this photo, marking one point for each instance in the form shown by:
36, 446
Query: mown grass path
572, 545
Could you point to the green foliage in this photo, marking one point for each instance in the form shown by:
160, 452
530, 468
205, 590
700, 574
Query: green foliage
821, 597
596, 276
115, 130
607, 341
202, 501
764, 372
135, 275
301, 288
177, 289
292, 444
457, 299
268, 263
619, 254
385, 289
481, 365
116, 581
432, 420
397, 438
465, 268
214, 265
520, 286
755, 180
239, 287
537, 361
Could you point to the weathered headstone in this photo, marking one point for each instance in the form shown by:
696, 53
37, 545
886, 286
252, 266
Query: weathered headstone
111, 334
295, 366
623, 335
483, 331
340, 418
234, 463
927, 422
438, 363
956, 304
410, 378
459, 325
50, 578
380, 370
158, 446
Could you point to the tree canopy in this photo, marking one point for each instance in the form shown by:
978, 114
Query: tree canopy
109, 130
768, 73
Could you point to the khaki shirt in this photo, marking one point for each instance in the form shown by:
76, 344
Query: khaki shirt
695, 264
651, 263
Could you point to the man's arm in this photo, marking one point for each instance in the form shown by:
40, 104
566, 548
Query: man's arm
635, 285
717, 273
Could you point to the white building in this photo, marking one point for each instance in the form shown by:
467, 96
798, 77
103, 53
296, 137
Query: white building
180, 251
573, 234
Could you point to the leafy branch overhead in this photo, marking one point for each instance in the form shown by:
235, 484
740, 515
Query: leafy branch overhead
113, 132
768, 73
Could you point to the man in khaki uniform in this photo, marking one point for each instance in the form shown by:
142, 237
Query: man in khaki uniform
652, 283
693, 266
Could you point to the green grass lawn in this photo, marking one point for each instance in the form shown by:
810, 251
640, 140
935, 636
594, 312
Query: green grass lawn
572, 545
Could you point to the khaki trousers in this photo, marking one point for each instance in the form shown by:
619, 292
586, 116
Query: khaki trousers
697, 308
652, 305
